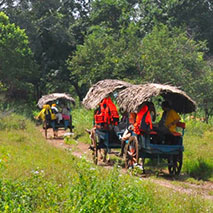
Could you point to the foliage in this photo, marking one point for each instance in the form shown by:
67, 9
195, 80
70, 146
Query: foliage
198, 138
12, 122
197, 128
195, 16
169, 56
17, 66
82, 119
199, 168
204, 97
102, 56
54, 30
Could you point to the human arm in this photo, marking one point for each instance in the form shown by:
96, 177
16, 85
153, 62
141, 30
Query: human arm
173, 123
172, 119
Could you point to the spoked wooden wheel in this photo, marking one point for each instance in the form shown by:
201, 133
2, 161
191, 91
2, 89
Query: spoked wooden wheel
131, 152
175, 164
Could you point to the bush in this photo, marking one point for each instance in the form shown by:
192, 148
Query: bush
197, 128
13, 122
199, 169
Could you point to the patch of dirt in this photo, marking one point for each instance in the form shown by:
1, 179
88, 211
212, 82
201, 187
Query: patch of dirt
205, 189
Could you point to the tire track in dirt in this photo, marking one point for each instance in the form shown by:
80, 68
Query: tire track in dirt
205, 189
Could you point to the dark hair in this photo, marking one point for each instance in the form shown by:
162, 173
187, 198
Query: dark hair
165, 104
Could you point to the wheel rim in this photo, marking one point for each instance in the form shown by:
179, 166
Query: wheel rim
175, 164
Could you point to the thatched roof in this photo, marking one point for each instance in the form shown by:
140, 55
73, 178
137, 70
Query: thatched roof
132, 97
54, 96
101, 90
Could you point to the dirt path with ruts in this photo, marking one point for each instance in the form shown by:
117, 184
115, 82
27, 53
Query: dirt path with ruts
204, 188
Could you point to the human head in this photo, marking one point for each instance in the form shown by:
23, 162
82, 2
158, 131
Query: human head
151, 106
53, 105
165, 105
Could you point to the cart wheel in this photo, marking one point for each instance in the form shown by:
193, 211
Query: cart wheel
131, 152
45, 128
175, 164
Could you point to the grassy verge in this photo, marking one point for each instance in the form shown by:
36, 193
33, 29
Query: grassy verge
198, 143
36, 177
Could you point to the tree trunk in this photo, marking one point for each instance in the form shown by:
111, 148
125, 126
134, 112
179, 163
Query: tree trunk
78, 90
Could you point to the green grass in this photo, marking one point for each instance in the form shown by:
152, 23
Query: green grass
82, 119
198, 145
37, 177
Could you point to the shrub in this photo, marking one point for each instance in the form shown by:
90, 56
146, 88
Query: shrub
13, 122
199, 168
196, 128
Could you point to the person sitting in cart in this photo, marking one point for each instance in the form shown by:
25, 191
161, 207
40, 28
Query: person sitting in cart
66, 116
167, 124
143, 124
55, 110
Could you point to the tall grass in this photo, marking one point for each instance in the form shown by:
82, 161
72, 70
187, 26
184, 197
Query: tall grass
82, 119
36, 177
198, 144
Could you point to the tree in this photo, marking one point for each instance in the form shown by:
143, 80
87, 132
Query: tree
54, 29
169, 56
17, 66
203, 90
102, 56
195, 16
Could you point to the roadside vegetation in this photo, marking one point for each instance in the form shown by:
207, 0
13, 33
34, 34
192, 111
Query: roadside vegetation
37, 177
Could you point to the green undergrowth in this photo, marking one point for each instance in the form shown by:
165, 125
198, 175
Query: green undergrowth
37, 177
198, 149
82, 119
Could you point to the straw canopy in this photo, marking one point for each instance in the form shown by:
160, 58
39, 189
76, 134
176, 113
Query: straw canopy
54, 96
101, 90
132, 97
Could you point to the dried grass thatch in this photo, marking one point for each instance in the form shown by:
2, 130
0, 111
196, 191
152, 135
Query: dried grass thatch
132, 97
54, 96
101, 90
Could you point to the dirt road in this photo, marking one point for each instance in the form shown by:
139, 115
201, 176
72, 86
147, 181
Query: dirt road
179, 184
